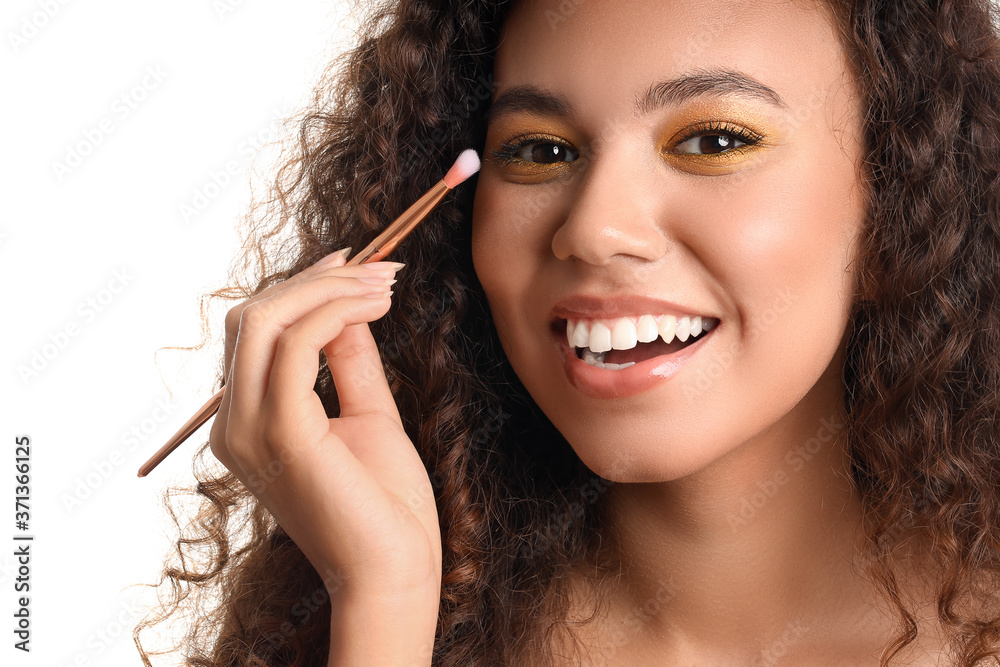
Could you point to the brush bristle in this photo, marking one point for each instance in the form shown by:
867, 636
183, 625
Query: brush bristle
465, 166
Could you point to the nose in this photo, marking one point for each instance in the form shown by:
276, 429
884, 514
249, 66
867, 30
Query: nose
614, 215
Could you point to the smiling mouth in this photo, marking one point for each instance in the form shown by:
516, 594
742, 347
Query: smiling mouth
622, 342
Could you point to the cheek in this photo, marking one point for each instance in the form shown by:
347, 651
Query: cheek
512, 228
784, 233
490, 240
779, 252
501, 254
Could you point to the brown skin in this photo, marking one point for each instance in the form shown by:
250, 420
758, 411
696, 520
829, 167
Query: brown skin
761, 238
366, 529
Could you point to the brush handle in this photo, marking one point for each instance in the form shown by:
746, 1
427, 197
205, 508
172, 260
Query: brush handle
377, 250
203, 415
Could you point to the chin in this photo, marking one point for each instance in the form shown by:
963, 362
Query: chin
633, 444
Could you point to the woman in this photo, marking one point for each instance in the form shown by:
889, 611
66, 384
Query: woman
798, 201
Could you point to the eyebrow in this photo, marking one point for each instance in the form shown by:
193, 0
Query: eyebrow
714, 82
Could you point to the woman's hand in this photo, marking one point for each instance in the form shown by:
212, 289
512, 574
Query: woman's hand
351, 492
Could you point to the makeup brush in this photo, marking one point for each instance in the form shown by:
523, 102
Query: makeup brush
465, 166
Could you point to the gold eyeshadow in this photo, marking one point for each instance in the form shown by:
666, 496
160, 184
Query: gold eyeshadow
506, 151
744, 122
741, 122
512, 138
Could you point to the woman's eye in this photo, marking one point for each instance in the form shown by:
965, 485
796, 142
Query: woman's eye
709, 144
546, 153
536, 152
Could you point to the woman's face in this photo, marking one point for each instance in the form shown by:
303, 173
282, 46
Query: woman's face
652, 161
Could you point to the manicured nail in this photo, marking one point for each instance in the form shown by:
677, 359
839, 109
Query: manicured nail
378, 295
378, 281
375, 266
332, 257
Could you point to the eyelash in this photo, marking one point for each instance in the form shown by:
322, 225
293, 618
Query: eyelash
742, 134
506, 152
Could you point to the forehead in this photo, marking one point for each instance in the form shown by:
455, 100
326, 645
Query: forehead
608, 53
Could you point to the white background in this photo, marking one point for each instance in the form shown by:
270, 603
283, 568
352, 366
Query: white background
101, 268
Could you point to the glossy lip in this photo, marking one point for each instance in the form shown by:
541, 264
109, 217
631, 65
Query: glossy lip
642, 376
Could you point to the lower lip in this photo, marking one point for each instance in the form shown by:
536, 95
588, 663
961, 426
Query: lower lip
642, 376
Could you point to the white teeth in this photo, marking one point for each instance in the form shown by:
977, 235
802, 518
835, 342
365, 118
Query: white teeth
581, 338
645, 330
668, 325
683, 328
578, 333
623, 336
600, 338
624, 333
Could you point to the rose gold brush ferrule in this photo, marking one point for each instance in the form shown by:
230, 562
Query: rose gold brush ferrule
387, 241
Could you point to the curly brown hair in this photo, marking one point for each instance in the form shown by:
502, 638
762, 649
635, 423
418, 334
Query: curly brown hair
517, 507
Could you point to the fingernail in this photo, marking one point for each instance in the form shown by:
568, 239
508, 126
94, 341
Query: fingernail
332, 257
378, 281
375, 266
378, 295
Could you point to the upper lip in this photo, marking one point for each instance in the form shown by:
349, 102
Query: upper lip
592, 307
